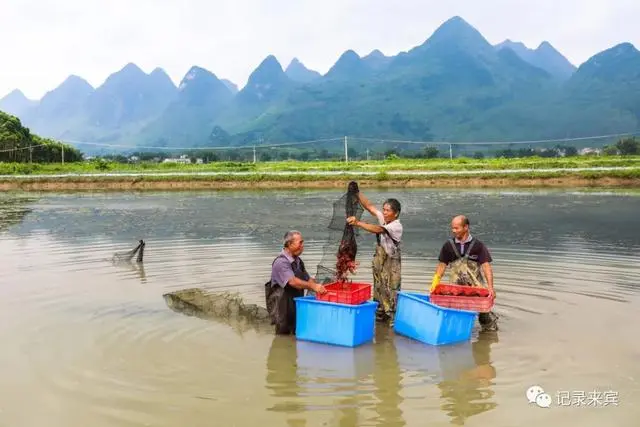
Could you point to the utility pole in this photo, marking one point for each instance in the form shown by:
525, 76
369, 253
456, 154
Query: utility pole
346, 154
367, 154
62, 154
450, 152
30, 154
254, 154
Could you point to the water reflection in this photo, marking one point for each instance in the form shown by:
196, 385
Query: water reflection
502, 218
366, 385
469, 392
130, 353
282, 380
137, 268
387, 380
13, 210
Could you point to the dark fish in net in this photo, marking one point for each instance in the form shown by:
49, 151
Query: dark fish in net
342, 247
128, 255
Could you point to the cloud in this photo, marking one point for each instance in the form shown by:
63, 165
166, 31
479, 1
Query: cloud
51, 39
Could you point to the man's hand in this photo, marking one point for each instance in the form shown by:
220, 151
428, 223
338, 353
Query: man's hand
492, 293
319, 289
434, 282
352, 220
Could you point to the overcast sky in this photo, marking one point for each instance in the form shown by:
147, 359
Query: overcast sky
47, 40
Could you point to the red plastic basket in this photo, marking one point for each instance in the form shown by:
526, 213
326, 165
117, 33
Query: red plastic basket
462, 298
346, 293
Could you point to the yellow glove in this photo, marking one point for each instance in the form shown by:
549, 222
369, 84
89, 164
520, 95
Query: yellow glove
434, 282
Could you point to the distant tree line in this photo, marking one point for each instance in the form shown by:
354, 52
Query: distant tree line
18, 145
624, 147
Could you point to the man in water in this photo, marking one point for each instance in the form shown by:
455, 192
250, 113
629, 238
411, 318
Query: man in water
289, 279
387, 259
470, 265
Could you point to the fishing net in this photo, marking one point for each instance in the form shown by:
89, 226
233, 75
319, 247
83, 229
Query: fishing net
223, 307
128, 255
339, 254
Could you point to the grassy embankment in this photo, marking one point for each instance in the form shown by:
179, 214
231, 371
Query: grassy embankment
295, 174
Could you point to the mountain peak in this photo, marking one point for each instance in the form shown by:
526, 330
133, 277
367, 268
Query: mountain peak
270, 62
160, 77
377, 60
454, 25
294, 63
620, 62
375, 54
15, 102
456, 32
625, 48
194, 73
267, 82
545, 45
76, 81
349, 55
131, 68
298, 72
14, 94
267, 72
545, 56
349, 66
158, 71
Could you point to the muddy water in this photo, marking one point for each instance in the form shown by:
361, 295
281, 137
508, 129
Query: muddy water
85, 342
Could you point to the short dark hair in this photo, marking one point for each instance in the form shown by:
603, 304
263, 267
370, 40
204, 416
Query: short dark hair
394, 205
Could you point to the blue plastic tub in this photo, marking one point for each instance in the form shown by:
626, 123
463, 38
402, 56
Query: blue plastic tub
333, 323
418, 318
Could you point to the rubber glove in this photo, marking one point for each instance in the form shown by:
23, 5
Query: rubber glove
434, 282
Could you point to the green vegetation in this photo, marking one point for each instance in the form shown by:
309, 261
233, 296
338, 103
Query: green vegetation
19, 146
294, 178
459, 164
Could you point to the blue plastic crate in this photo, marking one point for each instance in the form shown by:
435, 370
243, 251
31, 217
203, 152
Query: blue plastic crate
333, 323
418, 318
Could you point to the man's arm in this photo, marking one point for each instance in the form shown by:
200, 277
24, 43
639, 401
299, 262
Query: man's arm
372, 228
443, 261
307, 284
283, 275
488, 273
367, 205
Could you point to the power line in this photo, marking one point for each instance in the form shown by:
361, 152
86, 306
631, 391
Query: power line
539, 141
340, 139
22, 148
229, 147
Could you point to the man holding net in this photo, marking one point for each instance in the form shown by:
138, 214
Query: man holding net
386, 263
289, 279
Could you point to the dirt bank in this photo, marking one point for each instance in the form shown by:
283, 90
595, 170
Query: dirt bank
138, 184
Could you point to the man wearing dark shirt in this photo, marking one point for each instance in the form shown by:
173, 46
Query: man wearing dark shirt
469, 262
